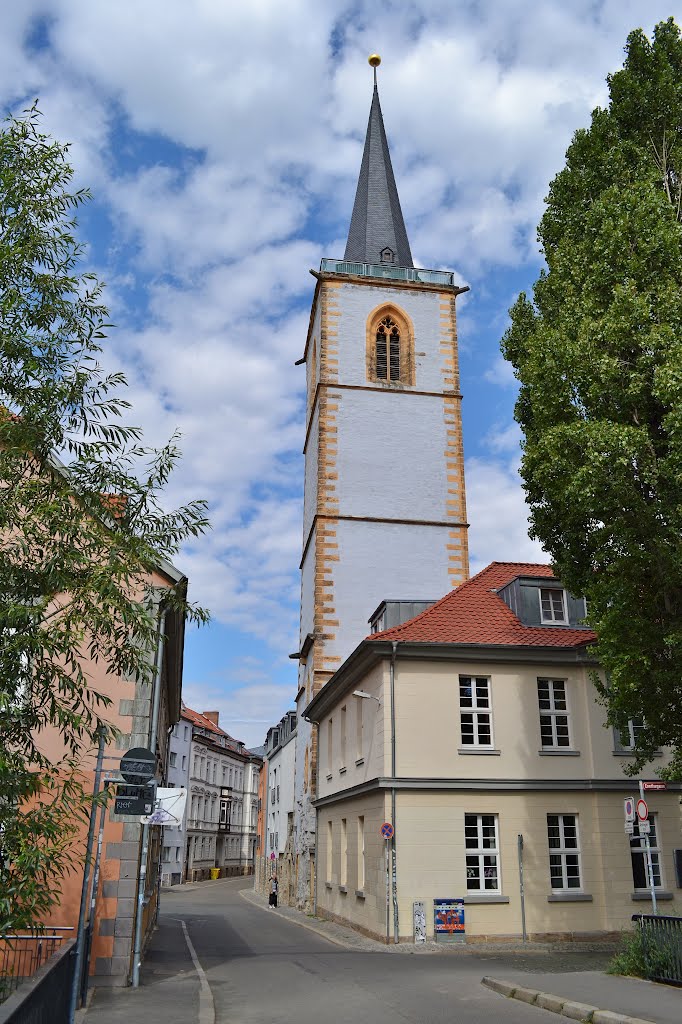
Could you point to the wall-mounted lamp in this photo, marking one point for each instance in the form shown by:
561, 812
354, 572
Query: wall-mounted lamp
367, 696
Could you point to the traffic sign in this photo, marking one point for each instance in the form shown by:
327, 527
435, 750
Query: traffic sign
644, 827
642, 810
387, 830
135, 800
272, 856
656, 786
138, 765
629, 807
629, 828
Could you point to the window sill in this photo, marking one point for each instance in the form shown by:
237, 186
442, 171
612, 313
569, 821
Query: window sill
641, 896
631, 753
359, 761
558, 752
342, 771
569, 897
330, 777
360, 894
478, 750
483, 897
343, 889
328, 885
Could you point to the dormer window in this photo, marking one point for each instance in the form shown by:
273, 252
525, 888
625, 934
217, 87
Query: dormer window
553, 606
387, 255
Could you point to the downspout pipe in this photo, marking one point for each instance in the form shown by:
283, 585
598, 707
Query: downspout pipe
394, 872
153, 732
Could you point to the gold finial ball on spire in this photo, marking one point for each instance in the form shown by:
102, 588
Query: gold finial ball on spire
374, 60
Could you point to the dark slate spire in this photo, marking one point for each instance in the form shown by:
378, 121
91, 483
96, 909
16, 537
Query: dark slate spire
377, 223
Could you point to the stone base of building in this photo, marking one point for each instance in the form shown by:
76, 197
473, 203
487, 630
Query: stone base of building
571, 939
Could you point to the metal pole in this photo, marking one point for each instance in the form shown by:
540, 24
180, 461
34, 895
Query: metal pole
522, 890
394, 871
649, 861
93, 895
388, 894
142, 874
75, 984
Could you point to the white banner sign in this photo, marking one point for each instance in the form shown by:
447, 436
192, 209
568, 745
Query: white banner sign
169, 810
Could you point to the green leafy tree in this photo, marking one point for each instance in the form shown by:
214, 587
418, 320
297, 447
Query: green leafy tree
598, 352
80, 537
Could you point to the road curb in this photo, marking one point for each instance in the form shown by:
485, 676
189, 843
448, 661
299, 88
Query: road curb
557, 1004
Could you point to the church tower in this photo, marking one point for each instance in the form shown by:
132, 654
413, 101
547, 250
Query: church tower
384, 502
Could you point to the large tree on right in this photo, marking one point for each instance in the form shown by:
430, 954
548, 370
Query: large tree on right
598, 353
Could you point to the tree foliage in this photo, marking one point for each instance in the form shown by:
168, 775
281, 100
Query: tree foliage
598, 352
80, 537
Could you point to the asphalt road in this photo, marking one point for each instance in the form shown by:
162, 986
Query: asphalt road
264, 969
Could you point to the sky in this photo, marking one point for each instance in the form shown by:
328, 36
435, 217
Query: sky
222, 143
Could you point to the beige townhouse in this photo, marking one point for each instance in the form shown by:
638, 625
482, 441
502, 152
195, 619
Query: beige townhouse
473, 730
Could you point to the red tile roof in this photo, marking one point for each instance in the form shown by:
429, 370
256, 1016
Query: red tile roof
475, 614
204, 723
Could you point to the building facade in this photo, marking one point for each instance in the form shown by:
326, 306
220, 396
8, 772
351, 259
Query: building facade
474, 729
277, 847
383, 400
124, 889
221, 810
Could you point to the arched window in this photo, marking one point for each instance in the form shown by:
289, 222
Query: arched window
388, 350
390, 347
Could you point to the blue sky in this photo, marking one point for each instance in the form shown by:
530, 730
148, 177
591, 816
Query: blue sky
222, 142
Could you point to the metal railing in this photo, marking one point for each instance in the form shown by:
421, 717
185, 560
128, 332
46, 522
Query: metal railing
662, 946
22, 955
45, 998
418, 274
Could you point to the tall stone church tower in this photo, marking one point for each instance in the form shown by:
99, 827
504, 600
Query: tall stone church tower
384, 505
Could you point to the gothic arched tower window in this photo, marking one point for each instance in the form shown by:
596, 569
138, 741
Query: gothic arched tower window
390, 348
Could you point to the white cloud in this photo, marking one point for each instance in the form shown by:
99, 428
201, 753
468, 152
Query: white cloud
498, 515
501, 373
223, 143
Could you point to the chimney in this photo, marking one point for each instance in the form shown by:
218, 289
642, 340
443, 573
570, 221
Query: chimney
212, 716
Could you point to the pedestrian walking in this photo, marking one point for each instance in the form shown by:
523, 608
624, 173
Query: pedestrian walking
273, 891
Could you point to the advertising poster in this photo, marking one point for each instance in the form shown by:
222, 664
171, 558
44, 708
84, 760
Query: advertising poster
448, 920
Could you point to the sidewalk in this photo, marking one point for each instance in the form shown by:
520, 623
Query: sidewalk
169, 986
630, 997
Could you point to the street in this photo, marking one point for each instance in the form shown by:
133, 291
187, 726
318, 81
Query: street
264, 969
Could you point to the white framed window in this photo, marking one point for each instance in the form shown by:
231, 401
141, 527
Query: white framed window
475, 711
640, 868
344, 717
173, 759
330, 746
626, 738
330, 849
553, 606
344, 851
481, 839
359, 729
564, 852
361, 852
554, 717
165, 854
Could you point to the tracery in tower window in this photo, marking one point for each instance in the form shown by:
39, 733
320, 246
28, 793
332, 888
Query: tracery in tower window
388, 350
390, 355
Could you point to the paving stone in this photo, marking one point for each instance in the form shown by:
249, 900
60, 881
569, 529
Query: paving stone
526, 995
577, 1011
505, 988
550, 1002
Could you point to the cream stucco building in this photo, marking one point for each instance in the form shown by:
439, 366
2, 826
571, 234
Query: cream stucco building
467, 727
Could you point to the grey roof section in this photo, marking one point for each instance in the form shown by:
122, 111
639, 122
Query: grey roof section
377, 220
